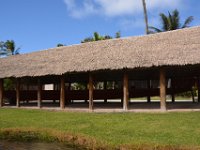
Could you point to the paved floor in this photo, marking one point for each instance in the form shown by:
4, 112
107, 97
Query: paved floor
116, 106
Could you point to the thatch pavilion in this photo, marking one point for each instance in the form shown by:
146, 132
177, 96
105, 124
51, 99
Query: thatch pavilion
171, 56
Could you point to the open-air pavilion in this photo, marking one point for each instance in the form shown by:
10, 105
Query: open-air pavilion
145, 66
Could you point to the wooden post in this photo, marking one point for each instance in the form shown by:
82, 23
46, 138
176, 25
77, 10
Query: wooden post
1, 92
69, 90
105, 88
39, 93
149, 88
172, 88
91, 90
54, 89
198, 87
27, 85
18, 92
162, 90
62, 92
125, 92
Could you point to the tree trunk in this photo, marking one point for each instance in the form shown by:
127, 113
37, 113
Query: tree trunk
145, 16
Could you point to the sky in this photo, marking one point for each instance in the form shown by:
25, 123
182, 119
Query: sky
41, 24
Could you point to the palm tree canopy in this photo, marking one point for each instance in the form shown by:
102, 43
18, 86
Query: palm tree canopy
11, 48
171, 22
97, 37
3, 51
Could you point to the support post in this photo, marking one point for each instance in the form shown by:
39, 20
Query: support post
105, 88
39, 94
125, 92
1, 92
149, 88
62, 92
91, 90
27, 85
172, 88
54, 89
162, 90
69, 90
18, 92
198, 87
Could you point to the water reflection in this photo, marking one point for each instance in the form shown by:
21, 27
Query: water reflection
8, 145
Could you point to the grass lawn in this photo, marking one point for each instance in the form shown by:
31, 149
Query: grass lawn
181, 129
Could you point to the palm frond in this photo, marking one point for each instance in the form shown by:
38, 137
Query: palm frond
16, 52
188, 21
175, 19
170, 22
154, 29
164, 21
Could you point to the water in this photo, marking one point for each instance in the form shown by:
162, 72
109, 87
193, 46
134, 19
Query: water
8, 145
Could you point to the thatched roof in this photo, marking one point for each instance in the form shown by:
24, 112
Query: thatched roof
180, 47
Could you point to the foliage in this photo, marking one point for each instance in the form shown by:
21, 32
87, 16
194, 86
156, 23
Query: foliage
118, 34
97, 37
171, 22
8, 48
191, 93
60, 45
11, 48
78, 86
8, 84
3, 51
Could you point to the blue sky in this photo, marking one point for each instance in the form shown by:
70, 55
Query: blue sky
41, 24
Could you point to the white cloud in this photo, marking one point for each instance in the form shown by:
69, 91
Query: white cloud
113, 8
77, 10
130, 12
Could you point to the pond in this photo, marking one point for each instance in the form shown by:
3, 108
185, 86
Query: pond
10, 145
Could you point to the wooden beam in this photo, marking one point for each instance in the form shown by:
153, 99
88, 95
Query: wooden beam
39, 94
149, 88
162, 90
91, 90
1, 92
125, 92
62, 92
105, 88
18, 92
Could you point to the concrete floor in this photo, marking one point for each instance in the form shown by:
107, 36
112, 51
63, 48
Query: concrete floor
115, 106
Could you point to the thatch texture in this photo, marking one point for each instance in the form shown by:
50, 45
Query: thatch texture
180, 47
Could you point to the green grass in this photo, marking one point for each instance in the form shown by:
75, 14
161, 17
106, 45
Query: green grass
115, 129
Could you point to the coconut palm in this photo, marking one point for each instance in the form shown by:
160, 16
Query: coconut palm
171, 22
97, 37
11, 48
3, 51
60, 45
118, 34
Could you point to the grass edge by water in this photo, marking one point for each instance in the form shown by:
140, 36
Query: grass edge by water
74, 140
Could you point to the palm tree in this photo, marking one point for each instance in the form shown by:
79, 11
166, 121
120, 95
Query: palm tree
3, 51
118, 34
97, 37
60, 45
171, 22
10, 47
145, 16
